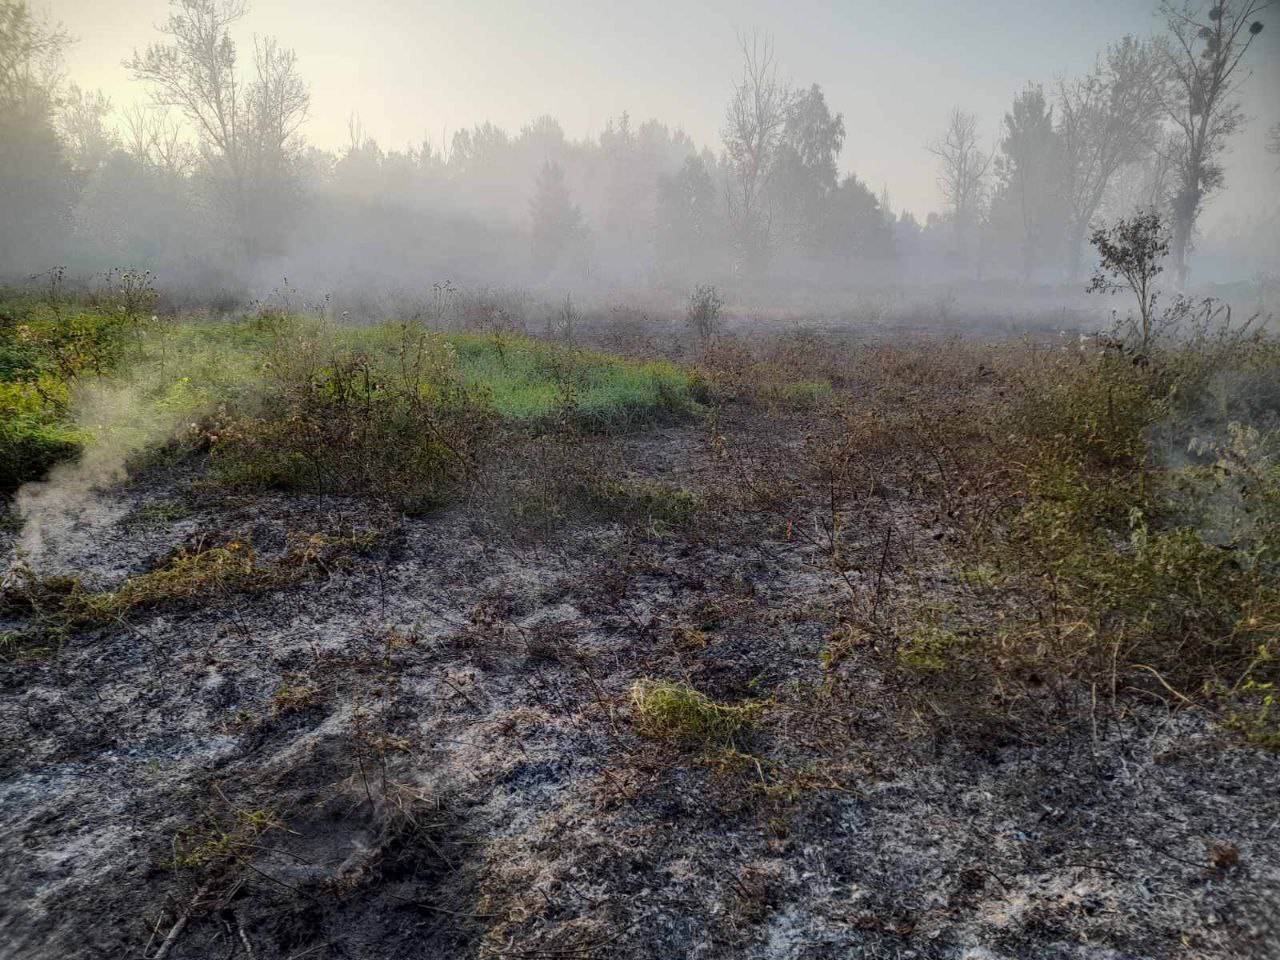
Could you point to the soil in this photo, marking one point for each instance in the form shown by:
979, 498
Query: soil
425, 748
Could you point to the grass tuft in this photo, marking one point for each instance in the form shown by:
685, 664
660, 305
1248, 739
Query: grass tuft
675, 711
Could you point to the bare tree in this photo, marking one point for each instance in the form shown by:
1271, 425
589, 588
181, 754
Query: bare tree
1107, 119
245, 128
963, 174
83, 122
276, 105
754, 126
1203, 56
152, 136
1273, 140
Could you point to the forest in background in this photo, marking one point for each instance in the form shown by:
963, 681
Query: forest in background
214, 187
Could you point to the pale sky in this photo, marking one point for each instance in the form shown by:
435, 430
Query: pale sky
416, 69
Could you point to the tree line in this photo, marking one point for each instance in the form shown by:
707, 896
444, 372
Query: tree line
212, 177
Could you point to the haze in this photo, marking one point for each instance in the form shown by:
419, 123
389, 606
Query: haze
413, 71
397, 80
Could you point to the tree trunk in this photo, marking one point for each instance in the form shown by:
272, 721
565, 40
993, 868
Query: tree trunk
1186, 206
1075, 250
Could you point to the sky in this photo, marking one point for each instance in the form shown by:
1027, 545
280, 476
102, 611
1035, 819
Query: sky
420, 69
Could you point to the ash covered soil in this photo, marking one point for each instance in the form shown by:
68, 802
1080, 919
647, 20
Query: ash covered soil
424, 745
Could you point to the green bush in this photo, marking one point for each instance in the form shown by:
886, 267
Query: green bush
33, 432
335, 416
1155, 558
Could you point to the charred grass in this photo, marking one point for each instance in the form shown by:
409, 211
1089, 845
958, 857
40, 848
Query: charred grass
786, 575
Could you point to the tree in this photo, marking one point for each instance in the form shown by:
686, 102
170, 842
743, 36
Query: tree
805, 175
247, 127
88, 139
1027, 205
1273, 140
152, 137
1130, 252
1203, 57
687, 221
557, 221
755, 123
963, 174
855, 226
480, 149
35, 183
1106, 119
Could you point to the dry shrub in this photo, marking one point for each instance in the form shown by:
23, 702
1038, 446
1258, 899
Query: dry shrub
190, 577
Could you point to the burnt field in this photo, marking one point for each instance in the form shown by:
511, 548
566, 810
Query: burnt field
640, 640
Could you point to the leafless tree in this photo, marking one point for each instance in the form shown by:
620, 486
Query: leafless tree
245, 128
153, 136
754, 126
1107, 119
83, 123
963, 174
1273, 140
276, 105
1205, 50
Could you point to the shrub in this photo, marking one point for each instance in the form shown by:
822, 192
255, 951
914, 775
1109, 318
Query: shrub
1152, 562
30, 446
348, 418
1129, 254
703, 313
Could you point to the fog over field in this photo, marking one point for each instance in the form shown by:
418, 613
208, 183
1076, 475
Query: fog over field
495, 480
798, 156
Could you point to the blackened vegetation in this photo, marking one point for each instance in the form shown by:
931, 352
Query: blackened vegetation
878, 646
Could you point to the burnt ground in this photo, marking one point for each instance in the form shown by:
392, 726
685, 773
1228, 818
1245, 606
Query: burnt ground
425, 748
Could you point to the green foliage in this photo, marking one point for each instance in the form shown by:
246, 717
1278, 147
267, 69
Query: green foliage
530, 380
37, 355
334, 417
1156, 559
30, 444
286, 403
1130, 252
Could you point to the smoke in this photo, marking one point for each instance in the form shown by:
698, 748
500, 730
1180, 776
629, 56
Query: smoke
65, 512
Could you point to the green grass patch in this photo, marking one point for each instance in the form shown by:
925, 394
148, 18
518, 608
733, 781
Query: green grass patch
527, 379
393, 410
